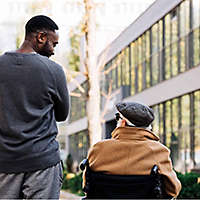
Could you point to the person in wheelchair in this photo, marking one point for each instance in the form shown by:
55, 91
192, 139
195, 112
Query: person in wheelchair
133, 149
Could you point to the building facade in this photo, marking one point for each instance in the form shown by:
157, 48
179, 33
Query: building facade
156, 61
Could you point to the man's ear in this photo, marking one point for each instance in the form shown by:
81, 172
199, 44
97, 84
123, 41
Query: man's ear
41, 37
123, 123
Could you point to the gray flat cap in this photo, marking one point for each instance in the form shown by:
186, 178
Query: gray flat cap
138, 114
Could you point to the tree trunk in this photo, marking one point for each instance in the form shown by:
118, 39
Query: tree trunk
93, 100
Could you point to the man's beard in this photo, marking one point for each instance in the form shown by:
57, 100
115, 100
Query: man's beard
45, 50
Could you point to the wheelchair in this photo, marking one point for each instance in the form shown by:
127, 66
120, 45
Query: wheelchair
107, 186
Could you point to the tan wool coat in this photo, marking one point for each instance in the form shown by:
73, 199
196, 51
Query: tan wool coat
134, 151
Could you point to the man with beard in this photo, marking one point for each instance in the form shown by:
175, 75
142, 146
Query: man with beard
33, 96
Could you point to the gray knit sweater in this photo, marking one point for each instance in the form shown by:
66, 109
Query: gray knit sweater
33, 96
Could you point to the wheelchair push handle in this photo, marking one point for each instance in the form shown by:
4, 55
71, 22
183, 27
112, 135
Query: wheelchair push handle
83, 164
154, 170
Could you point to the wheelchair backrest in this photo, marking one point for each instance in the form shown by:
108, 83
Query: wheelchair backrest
108, 186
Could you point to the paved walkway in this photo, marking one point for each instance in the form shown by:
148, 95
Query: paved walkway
67, 195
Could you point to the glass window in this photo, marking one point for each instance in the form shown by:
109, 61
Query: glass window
120, 75
155, 68
139, 47
139, 66
78, 104
184, 18
154, 38
190, 38
148, 44
174, 25
150, 58
133, 68
147, 62
174, 145
196, 45
127, 69
182, 55
115, 71
140, 76
148, 75
79, 144
143, 38
177, 123
178, 42
130, 66
168, 123
72, 113
107, 76
110, 74
174, 59
119, 57
123, 64
175, 116
196, 13
167, 63
143, 61
136, 66
191, 129
114, 85
162, 125
167, 30
185, 148
155, 123
143, 75
160, 34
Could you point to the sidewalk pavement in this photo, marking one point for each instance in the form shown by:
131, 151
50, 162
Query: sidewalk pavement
67, 195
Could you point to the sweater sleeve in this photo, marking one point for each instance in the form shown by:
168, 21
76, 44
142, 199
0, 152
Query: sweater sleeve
61, 100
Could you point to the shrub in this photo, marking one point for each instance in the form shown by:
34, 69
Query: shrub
75, 184
65, 181
190, 187
72, 182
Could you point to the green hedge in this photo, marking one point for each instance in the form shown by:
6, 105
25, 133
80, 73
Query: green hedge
190, 187
73, 185
65, 181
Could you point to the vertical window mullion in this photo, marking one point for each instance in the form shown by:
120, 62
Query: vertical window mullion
191, 37
130, 65
164, 123
116, 72
136, 67
171, 116
187, 33
150, 64
163, 51
121, 70
192, 130
144, 60
159, 55
179, 122
159, 120
127, 77
179, 39
133, 68
170, 54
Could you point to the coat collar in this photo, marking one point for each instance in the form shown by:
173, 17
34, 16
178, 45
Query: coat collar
133, 133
